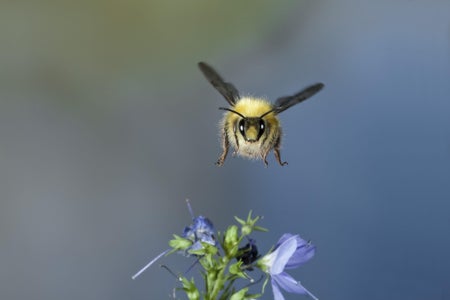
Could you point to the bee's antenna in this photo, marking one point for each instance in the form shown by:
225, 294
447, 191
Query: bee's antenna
233, 111
266, 113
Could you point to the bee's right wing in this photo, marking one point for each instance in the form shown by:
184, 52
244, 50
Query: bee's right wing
283, 103
227, 89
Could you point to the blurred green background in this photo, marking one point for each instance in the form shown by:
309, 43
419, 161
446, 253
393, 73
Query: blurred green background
107, 126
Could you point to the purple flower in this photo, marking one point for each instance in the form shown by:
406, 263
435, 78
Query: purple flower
201, 230
290, 252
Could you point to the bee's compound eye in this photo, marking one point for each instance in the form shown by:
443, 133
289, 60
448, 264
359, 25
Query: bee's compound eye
262, 126
242, 126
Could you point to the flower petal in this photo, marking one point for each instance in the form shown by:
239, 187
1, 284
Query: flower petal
303, 253
282, 255
283, 238
277, 295
289, 284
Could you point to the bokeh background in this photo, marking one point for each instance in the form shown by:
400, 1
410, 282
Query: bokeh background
107, 126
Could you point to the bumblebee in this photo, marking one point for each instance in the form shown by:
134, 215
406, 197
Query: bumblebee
250, 125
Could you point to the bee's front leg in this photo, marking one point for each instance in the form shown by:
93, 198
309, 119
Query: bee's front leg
225, 146
264, 158
236, 149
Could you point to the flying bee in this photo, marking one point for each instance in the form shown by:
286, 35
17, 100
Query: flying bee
251, 125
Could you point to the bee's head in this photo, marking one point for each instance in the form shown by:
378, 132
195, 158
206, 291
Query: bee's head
251, 128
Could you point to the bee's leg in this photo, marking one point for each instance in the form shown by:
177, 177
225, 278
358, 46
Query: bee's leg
264, 158
225, 146
236, 150
276, 151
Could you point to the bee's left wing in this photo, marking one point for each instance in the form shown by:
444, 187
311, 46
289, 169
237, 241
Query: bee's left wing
227, 89
283, 103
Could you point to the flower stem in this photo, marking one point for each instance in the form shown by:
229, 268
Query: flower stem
219, 282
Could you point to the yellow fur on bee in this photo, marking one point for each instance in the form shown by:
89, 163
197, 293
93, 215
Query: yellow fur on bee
252, 107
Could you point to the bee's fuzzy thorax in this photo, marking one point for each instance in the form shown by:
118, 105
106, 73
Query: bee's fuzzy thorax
252, 107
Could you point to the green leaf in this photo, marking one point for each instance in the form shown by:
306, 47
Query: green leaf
240, 295
249, 226
236, 269
191, 290
231, 241
179, 243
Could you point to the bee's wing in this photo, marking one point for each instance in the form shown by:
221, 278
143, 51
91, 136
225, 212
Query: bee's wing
283, 103
227, 89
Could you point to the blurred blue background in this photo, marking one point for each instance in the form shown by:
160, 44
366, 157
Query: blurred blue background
107, 126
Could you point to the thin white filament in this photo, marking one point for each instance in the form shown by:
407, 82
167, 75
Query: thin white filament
149, 264
310, 294
191, 211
